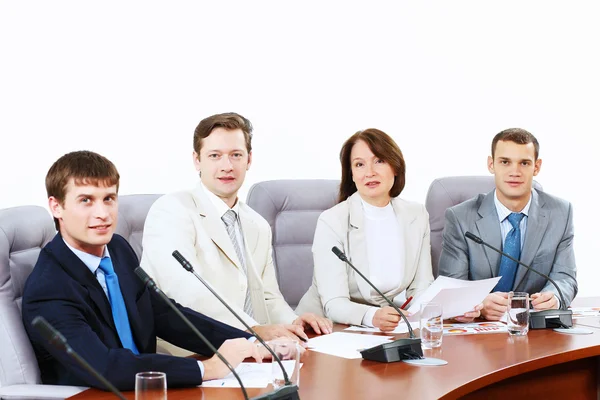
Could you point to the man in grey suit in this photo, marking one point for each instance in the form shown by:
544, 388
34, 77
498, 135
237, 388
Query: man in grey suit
528, 224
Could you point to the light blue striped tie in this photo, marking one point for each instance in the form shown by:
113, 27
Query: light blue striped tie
230, 220
117, 304
512, 247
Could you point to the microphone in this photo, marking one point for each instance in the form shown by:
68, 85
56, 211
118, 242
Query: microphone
561, 318
149, 282
398, 350
286, 392
56, 339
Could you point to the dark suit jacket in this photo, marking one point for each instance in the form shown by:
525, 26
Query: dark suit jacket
548, 246
64, 291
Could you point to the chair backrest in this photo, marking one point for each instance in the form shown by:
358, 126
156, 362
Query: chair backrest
292, 208
133, 209
446, 192
23, 232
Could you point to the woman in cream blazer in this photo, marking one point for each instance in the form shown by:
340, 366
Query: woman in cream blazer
371, 225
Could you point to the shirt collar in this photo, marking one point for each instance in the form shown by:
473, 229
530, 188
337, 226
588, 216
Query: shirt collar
504, 212
218, 203
90, 261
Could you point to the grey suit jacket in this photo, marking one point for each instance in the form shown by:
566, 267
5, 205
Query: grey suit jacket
548, 246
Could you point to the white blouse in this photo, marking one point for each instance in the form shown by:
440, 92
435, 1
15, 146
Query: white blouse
384, 251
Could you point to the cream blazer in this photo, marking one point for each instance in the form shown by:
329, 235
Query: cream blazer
187, 221
340, 293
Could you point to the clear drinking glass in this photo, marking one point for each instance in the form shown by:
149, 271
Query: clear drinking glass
289, 352
150, 386
431, 324
518, 313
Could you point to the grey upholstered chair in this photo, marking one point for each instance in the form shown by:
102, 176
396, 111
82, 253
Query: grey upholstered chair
133, 209
446, 192
23, 232
292, 208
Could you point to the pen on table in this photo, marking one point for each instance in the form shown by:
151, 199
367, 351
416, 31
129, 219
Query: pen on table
303, 339
406, 302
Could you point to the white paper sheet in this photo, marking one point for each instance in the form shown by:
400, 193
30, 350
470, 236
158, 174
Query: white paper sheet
253, 375
456, 296
401, 328
345, 345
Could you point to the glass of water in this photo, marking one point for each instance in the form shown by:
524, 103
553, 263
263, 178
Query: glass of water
288, 352
431, 327
518, 313
150, 386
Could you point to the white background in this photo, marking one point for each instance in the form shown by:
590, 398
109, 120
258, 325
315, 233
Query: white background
131, 80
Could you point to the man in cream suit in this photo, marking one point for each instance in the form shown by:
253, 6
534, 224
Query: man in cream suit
227, 242
536, 227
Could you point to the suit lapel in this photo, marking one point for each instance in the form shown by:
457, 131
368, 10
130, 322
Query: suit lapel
80, 272
250, 230
537, 221
214, 226
410, 241
488, 228
357, 248
127, 283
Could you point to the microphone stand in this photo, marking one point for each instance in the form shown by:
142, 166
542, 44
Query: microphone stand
152, 285
398, 350
286, 392
56, 339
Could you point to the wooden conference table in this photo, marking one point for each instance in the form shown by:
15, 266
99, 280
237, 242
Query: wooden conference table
543, 364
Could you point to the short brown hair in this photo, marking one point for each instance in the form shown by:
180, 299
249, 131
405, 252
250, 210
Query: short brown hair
85, 167
518, 136
229, 121
384, 147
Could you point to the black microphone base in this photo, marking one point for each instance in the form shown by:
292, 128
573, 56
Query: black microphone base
398, 350
551, 319
289, 392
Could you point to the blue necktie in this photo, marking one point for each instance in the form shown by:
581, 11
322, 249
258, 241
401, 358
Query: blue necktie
117, 304
512, 247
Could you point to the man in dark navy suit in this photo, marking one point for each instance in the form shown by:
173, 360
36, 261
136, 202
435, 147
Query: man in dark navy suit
84, 285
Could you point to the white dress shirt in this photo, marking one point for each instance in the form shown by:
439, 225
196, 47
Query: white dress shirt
505, 225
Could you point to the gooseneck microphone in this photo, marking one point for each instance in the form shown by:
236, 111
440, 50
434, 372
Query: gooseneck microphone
560, 318
56, 339
288, 391
398, 350
149, 282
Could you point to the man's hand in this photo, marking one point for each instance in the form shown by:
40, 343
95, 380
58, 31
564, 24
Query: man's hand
319, 324
234, 351
544, 301
494, 306
386, 318
290, 331
471, 315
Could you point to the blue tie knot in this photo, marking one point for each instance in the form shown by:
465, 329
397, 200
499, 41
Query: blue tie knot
106, 266
515, 219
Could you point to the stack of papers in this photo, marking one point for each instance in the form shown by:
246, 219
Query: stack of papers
345, 345
253, 375
401, 328
580, 312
